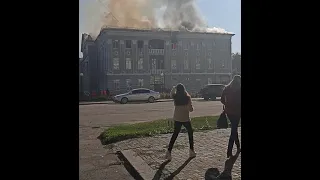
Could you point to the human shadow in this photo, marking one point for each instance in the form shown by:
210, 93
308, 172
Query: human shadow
214, 173
158, 174
176, 172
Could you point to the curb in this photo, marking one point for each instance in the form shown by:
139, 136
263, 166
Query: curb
136, 166
111, 102
139, 169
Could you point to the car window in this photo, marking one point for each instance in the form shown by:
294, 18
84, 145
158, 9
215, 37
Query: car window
144, 91
135, 92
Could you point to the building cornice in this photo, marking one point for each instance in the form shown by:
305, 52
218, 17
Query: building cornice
149, 74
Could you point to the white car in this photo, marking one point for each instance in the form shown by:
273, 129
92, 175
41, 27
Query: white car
140, 94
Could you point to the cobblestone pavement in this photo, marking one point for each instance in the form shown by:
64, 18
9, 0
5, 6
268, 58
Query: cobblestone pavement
93, 119
96, 162
210, 146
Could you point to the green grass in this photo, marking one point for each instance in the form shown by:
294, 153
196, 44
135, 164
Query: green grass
145, 129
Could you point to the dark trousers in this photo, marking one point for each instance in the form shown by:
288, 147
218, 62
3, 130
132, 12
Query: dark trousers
234, 138
177, 128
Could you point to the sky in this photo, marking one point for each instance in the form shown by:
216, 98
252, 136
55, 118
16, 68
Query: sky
225, 14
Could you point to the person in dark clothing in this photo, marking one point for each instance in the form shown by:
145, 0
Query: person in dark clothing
107, 93
183, 106
231, 99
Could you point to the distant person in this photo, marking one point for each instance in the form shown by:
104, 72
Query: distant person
183, 106
231, 99
107, 93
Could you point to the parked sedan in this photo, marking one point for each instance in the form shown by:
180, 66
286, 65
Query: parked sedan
137, 95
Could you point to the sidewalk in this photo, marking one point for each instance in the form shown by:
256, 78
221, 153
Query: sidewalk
210, 146
111, 102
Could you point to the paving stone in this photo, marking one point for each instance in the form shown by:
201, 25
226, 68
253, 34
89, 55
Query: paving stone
211, 148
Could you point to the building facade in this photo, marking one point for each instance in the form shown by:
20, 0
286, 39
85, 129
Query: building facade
124, 59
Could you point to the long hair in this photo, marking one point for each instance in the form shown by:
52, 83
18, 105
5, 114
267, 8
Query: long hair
235, 83
181, 96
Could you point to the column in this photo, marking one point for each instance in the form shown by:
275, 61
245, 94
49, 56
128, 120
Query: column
146, 65
134, 56
122, 61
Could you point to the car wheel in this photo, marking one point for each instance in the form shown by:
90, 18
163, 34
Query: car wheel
124, 100
213, 98
151, 99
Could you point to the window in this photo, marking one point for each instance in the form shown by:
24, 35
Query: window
140, 44
173, 64
115, 44
174, 45
209, 81
186, 46
135, 91
198, 63
198, 46
140, 63
116, 63
128, 84
116, 84
144, 91
161, 64
210, 64
153, 64
128, 43
198, 82
128, 63
186, 63
140, 81
86, 65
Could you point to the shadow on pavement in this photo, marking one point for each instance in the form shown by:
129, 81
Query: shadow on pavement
176, 172
214, 173
158, 174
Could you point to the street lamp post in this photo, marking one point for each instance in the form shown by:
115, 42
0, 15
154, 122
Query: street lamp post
81, 86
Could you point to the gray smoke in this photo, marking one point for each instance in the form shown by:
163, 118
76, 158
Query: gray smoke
183, 14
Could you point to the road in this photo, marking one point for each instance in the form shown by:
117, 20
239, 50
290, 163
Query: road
105, 115
96, 162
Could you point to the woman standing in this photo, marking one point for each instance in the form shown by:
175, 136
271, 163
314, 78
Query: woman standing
183, 106
231, 99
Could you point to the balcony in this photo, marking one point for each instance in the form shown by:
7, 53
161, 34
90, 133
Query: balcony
156, 51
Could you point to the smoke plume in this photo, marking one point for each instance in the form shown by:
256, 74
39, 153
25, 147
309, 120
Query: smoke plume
147, 14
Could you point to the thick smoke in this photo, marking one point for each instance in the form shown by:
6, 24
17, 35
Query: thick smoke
147, 14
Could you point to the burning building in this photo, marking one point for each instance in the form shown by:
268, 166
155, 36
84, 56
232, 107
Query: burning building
120, 59
157, 52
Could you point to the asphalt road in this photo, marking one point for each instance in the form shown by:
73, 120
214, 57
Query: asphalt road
104, 115
97, 162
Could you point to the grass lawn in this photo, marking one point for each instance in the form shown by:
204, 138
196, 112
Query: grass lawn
164, 126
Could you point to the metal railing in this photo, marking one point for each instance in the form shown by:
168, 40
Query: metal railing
156, 51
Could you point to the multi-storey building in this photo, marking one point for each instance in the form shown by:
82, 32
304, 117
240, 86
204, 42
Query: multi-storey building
121, 59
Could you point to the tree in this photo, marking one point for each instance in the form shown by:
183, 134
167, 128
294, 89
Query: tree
236, 62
